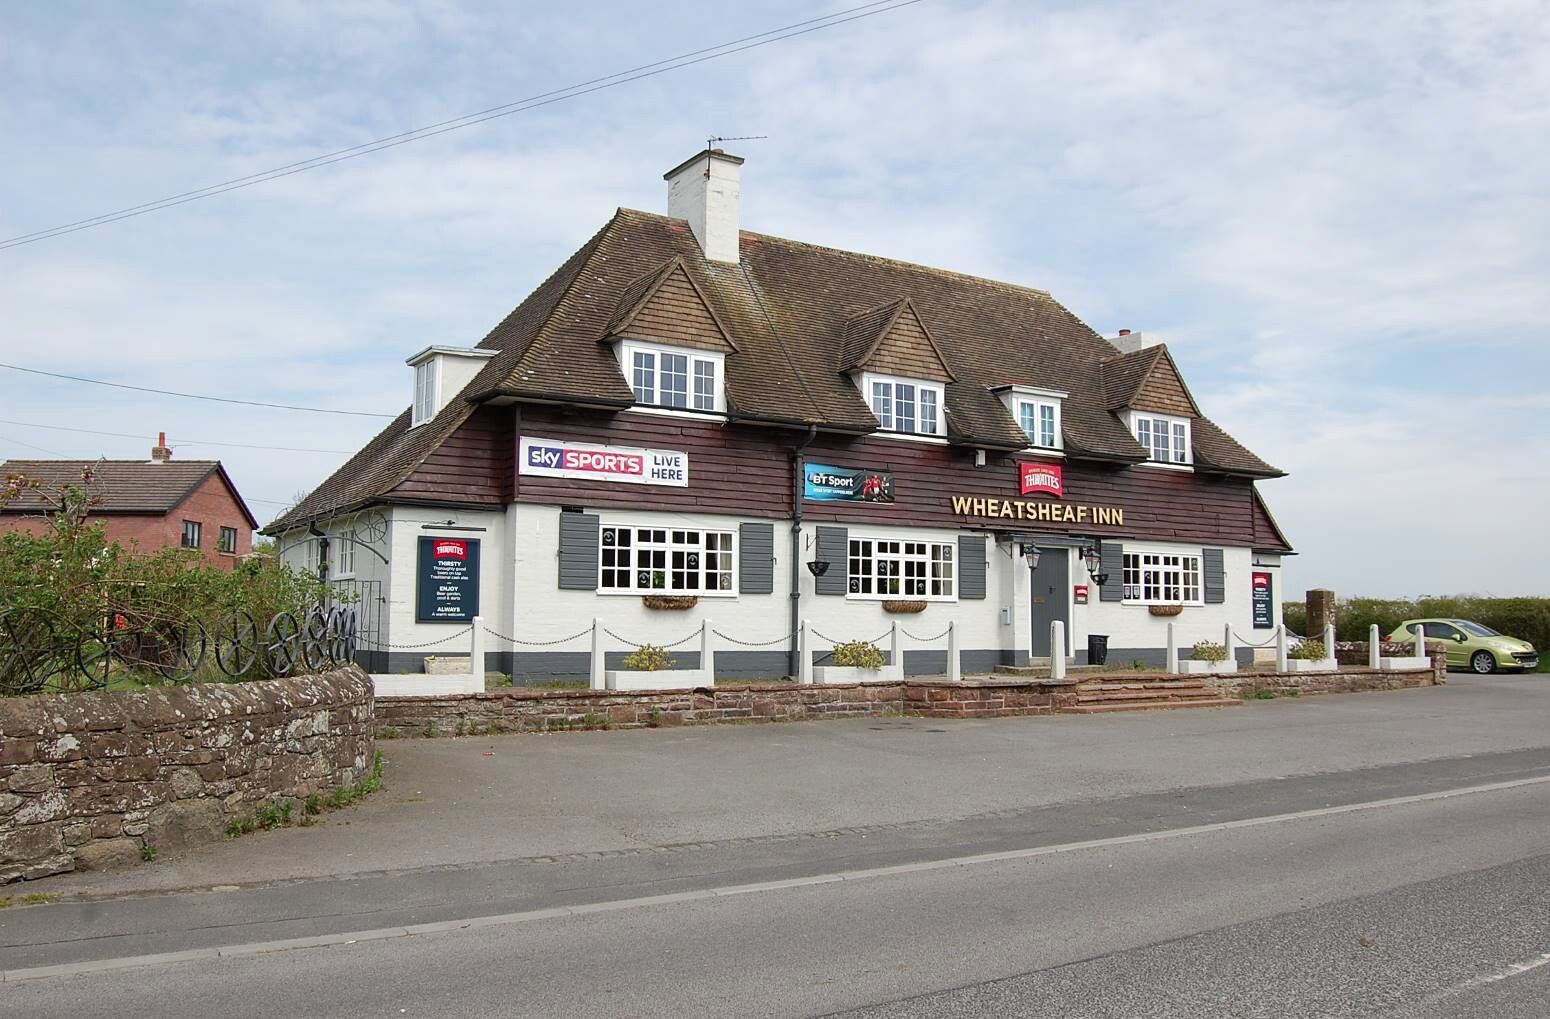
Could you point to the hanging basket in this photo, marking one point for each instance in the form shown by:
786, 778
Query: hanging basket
670, 602
1165, 610
902, 607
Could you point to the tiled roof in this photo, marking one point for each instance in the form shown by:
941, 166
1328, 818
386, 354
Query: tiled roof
121, 486
795, 312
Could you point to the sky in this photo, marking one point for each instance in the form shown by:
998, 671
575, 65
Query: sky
1337, 215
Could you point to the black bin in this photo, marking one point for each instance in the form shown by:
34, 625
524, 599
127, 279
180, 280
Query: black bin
1097, 648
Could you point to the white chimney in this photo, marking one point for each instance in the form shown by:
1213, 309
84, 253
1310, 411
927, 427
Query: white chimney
705, 190
1128, 341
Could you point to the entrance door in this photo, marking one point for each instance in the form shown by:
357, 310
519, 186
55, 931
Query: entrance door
1048, 591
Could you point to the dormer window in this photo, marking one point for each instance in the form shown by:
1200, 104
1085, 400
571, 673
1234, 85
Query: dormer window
425, 377
1037, 412
904, 405
1165, 437
677, 378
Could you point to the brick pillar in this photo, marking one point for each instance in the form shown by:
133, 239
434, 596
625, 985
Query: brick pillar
1321, 613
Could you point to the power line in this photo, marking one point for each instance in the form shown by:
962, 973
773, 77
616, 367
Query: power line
683, 60
195, 396
175, 441
28, 445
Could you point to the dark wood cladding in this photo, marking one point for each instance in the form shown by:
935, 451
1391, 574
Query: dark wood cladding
474, 465
746, 471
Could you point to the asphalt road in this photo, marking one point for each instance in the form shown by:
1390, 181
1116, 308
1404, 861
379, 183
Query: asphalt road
1408, 881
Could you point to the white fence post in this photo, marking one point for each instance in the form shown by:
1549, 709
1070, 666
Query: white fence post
1374, 651
597, 680
895, 655
1172, 663
1232, 652
1420, 641
1329, 642
1281, 648
1057, 650
707, 654
476, 653
954, 665
804, 655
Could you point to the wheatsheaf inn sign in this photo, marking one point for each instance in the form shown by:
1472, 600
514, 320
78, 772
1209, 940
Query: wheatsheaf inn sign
1040, 510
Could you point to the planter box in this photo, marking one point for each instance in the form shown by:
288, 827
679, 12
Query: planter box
1402, 664
1199, 666
1309, 665
661, 679
444, 666
849, 674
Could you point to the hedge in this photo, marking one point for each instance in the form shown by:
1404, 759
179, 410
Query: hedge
1527, 618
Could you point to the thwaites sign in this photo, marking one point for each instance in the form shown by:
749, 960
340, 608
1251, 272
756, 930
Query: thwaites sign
823, 483
1263, 601
583, 462
1041, 479
447, 580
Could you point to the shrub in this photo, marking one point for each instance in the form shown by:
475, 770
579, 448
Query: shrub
648, 658
1209, 651
1309, 650
858, 654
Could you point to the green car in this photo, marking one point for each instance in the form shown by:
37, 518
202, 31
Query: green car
1471, 645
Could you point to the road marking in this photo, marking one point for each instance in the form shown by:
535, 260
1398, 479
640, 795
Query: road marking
1511, 971
705, 894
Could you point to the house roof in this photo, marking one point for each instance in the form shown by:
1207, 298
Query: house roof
795, 312
127, 487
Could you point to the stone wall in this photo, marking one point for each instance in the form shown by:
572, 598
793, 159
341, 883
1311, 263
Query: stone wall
88, 780
532, 710
1350, 679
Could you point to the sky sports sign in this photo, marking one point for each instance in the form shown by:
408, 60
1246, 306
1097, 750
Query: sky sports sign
582, 462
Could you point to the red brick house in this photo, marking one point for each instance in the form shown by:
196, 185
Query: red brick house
151, 504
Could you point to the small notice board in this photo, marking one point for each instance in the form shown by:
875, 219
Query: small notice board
447, 580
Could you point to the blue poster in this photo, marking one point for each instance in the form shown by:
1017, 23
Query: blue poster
844, 484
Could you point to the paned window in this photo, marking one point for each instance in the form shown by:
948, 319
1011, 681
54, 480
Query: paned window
1040, 421
897, 567
191, 531
1162, 578
678, 379
1166, 438
424, 391
344, 554
667, 559
905, 406
228, 541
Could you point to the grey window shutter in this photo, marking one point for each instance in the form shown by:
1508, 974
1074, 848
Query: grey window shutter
756, 559
579, 536
1213, 577
1112, 556
833, 548
971, 566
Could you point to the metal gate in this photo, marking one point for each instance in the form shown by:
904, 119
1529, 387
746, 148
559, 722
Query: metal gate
365, 596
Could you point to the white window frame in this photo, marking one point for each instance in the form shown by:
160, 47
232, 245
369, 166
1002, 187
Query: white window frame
344, 554
922, 565
695, 362
888, 417
427, 391
1179, 430
669, 547
1152, 568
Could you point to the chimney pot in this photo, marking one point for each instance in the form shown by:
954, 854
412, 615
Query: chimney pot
1124, 332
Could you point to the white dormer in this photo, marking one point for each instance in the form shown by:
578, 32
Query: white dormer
1037, 413
440, 373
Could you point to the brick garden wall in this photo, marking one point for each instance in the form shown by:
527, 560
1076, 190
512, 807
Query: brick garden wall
87, 779
529, 710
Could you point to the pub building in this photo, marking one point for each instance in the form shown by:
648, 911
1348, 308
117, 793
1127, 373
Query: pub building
690, 421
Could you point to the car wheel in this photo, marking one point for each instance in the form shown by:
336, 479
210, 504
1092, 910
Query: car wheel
1483, 662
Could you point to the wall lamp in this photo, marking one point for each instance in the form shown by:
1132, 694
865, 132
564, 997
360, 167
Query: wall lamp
1030, 552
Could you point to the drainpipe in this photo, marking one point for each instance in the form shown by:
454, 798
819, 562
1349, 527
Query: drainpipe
798, 487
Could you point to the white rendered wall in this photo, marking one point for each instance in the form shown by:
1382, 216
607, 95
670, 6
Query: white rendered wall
405, 525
